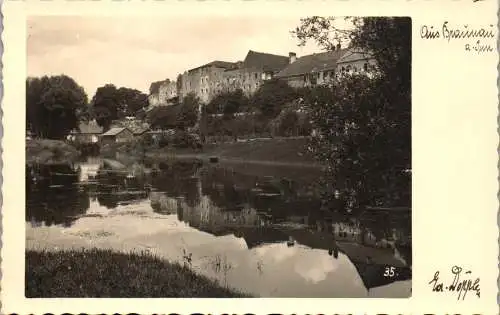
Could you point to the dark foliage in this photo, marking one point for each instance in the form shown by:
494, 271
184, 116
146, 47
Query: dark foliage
178, 84
228, 103
164, 117
190, 109
110, 103
54, 105
178, 116
364, 124
272, 96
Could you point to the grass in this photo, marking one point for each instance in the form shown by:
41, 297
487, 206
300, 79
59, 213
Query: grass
45, 151
105, 273
278, 150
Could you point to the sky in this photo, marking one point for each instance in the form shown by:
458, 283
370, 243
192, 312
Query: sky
134, 52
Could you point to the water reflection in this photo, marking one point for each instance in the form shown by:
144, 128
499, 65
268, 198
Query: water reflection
54, 196
272, 222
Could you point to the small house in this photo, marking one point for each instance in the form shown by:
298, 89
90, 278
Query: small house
87, 132
117, 135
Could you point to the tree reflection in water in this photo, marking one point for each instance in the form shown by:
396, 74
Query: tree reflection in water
53, 196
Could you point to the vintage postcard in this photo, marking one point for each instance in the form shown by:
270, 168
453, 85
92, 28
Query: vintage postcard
262, 157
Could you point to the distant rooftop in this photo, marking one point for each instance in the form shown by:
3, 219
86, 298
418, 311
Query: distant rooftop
114, 131
218, 64
312, 63
90, 127
265, 61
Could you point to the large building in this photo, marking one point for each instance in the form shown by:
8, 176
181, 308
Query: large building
323, 68
217, 77
253, 71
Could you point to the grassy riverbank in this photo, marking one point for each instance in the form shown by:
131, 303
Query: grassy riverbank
45, 151
266, 151
104, 273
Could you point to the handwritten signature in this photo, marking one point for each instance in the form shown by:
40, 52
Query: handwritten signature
459, 285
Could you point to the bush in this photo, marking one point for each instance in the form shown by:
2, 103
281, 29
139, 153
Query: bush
183, 139
46, 151
365, 140
272, 96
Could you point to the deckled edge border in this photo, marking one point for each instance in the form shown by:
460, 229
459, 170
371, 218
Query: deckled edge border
498, 152
2, 139
2, 3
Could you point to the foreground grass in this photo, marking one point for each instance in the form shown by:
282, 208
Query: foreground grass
104, 273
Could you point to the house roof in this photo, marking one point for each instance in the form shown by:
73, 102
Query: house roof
90, 127
265, 61
312, 63
138, 130
114, 131
354, 54
217, 64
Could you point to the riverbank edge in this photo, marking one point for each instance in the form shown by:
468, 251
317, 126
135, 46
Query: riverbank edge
108, 273
47, 152
268, 152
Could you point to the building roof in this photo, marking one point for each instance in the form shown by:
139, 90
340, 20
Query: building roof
114, 131
312, 63
138, 130
265, 61
354, 54
90, 127
217, 64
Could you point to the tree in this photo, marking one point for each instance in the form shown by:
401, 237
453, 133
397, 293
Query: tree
272, 96
228, 103
363, 124
53, 105
178, 84
110, 103
105, 105
164, 117
189, 112
132, 100
285, 124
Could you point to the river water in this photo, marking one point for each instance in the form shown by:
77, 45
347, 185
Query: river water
256, 228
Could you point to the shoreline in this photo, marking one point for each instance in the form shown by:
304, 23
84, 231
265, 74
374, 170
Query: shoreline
286, 152
204, 157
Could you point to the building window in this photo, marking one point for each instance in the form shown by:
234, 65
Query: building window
256, 76
365, 66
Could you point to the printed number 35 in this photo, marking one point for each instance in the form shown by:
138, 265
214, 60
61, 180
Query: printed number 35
389, 272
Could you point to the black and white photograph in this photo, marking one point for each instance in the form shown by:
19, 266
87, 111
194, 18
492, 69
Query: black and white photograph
218, 157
